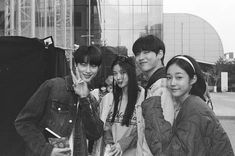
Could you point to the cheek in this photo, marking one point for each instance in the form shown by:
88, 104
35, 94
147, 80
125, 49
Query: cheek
137, 59
168, 83
94, 71
126, 78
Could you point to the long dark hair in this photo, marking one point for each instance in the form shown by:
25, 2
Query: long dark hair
199, 87
127, 64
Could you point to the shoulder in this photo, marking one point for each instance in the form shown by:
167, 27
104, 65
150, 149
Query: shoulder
159, 84
195, 105
56, 80
108, 96
95, 93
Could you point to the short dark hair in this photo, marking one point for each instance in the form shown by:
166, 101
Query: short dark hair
88, 54
199, 87
149, 43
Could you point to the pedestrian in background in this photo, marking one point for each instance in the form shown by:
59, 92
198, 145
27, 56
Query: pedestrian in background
63, 107
196, 130
121, 112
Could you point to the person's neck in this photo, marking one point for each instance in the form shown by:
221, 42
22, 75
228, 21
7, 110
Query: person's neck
124, 91
181, 99
150, 73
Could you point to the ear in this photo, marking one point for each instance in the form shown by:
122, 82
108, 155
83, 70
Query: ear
193, 80
160, 54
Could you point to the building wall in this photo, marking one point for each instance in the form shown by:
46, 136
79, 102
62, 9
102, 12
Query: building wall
191, 35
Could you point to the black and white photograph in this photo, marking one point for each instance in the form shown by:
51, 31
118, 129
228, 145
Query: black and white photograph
117, 78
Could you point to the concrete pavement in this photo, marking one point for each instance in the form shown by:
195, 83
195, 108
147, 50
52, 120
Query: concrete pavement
224, 108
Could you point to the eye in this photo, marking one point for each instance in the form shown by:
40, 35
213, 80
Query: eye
146, 52
93, 66
83, 64
168, 77
114, 73
178, 77
137, 54
123, 72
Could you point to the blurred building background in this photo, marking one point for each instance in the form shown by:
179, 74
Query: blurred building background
104, 22
115, 23
191, 35
112, 24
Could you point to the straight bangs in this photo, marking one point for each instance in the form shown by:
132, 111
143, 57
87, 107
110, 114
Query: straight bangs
92, 59
149, 43
143, 45
89, 55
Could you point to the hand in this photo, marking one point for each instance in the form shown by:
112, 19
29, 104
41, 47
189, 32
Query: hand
61, 152
116, 150
80, 87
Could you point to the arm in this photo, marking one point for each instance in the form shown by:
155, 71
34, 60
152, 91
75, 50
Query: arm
108, 137
157, 130
27, 122
181, 140
90, 117
130, 141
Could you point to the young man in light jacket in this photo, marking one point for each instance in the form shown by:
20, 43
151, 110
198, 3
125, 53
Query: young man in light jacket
149, 53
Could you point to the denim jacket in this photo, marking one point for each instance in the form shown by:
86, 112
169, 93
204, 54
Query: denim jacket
54, 106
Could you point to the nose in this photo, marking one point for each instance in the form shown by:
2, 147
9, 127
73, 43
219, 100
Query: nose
172, 82
88, 68
119, 76
140, 56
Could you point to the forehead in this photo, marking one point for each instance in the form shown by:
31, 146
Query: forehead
175, 69
147, 51
117, 68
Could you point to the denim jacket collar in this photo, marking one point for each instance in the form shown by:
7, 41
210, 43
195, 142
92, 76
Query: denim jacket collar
69, 83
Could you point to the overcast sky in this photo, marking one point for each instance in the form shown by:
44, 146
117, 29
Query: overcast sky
219, 13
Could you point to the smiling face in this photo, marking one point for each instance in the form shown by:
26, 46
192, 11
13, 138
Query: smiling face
87, 71
148, 61
120, 76
179, 82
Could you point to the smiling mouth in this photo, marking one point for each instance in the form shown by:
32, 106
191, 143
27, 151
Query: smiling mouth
87, 76
142, 63
119, 83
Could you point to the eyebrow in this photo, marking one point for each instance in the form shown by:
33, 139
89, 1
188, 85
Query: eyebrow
175, 73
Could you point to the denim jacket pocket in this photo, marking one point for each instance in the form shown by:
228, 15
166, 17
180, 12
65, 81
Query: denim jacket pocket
60, 118
59, 107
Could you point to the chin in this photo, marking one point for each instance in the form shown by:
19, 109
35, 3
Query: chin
176, 94
144, 69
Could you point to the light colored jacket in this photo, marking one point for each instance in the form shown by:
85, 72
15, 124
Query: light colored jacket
159, 88
105, 107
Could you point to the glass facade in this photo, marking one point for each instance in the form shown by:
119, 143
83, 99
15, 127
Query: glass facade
116, 23
123, 21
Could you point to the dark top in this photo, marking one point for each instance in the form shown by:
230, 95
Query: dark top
54, 105
195, 132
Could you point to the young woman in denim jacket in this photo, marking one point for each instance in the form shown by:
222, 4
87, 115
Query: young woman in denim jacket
196, 131
63, 106
122, 114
